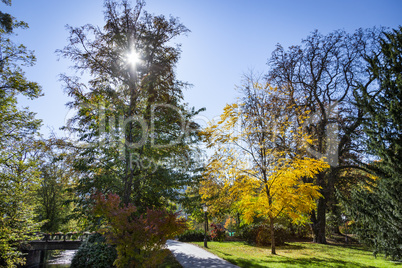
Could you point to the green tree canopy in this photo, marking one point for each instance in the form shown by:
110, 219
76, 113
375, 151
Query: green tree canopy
135, 132
55, 194
377, 206
19, 172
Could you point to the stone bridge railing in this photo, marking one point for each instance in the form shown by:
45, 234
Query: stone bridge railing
36, 249
52, 241
70, 236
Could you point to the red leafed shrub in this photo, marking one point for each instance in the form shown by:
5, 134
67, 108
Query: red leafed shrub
217, 232
139, 239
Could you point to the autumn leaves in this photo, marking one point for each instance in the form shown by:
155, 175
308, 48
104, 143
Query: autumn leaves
260, 166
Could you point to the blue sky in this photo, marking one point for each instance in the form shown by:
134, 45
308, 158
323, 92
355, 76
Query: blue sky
228, 38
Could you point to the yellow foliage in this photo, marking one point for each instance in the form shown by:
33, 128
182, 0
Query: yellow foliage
230, 223
260, 163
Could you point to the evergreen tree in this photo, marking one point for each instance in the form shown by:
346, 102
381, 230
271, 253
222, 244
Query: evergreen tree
135, 132
377, 207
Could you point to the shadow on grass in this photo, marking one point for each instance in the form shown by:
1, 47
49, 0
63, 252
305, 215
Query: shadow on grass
299, 262
350, 246
224, 253
289, 246
284, 246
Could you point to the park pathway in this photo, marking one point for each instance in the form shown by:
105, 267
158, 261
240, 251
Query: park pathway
191, 256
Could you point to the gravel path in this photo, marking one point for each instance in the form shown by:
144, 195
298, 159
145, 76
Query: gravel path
191, 256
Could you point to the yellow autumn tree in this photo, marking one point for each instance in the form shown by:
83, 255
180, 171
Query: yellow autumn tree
217, 197
260, 157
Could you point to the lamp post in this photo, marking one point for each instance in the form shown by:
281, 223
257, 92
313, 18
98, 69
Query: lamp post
205, 208
346, 227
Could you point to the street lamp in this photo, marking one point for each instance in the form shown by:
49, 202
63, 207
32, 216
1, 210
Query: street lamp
205, 208
346, 227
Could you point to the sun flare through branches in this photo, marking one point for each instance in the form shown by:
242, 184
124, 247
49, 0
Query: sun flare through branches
133, 57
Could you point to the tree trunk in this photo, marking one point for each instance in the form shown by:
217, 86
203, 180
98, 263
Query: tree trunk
271, 227
318, 222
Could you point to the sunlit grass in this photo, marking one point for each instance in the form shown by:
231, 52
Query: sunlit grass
297, 254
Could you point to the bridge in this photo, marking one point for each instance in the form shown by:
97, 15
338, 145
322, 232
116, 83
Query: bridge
36, 249
57, 241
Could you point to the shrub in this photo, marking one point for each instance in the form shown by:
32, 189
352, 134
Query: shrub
139, 238
302, 231
260, 234
332, 224
218, 233
294, 230
192, 236
249, 233
94, 252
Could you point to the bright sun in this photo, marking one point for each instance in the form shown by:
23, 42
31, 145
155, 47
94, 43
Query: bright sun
133, 57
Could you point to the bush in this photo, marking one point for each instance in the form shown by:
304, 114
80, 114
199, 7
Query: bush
192, 236
260, 234
218, 233
301, 231
94, 252
139, 238
295, 230
332, 224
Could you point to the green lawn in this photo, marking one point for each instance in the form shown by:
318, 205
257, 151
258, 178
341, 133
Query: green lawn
297, 254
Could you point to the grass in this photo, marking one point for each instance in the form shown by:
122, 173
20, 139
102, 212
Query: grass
297, 254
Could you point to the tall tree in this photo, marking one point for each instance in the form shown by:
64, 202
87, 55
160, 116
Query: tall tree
259, 157
136, 134
55, 195
19, 173
377, 206
320, 76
